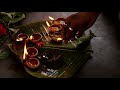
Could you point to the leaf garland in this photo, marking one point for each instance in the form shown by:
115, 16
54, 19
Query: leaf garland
9, 19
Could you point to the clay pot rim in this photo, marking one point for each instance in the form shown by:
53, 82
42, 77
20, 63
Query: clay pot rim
21, 34
34, 67
37, 34
34, 49
58, 26
60, 19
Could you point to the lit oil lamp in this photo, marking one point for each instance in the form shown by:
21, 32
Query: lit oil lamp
27, 60
32, 52
25, 54
59, 21
29, 52
22, 37
53, 20
36, 37
55, 28
32, 63
20, 40
54, 33
56, 37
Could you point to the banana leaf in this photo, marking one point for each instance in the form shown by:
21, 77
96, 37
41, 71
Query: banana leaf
75, 53
73, 60
38, 28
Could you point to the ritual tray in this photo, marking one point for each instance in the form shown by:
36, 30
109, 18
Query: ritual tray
75, 53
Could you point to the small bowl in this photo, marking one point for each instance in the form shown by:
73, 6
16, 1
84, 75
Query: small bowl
55, 28
20, 40
36, 37
22, 37
61, 21
32, 52
56, 37
32, 63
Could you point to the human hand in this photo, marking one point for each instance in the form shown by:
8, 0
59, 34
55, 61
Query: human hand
79, 22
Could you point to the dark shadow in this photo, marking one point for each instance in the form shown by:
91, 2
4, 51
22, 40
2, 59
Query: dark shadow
113, 17
18, 67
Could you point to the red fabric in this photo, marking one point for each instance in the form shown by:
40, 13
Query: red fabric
3, 30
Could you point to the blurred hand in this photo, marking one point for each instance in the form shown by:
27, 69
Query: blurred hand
79, 22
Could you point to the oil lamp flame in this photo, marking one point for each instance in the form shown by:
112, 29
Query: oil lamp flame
51, 18
19, 39
47, 24
31, 37
25, 52
44, 56
59, 39
46, 29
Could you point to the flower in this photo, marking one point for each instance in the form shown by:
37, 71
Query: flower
3, 30
39, 44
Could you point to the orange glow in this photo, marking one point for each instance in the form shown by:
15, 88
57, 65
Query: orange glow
25, 52
31, 37
51, 18
19, 39
59, 39
47, 24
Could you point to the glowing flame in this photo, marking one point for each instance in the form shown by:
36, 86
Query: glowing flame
44, 56
31, 37
19, 39
51, 18
45, 29
47, 24
25, 51
59, 39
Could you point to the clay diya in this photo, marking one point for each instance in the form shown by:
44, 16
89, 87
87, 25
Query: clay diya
32, 63
57, 21
54, 28
60, 21
20, 40
36, 37
32, 52
22, 37
56, 37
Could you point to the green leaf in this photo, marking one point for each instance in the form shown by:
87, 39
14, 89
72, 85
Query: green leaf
5, 17
18, 13
3, 39
92, 34
12, 13
7, 14
14, 30
73, 58
12, 17
4, 53
17, 17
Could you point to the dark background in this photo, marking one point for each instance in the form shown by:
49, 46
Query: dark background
106, 57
